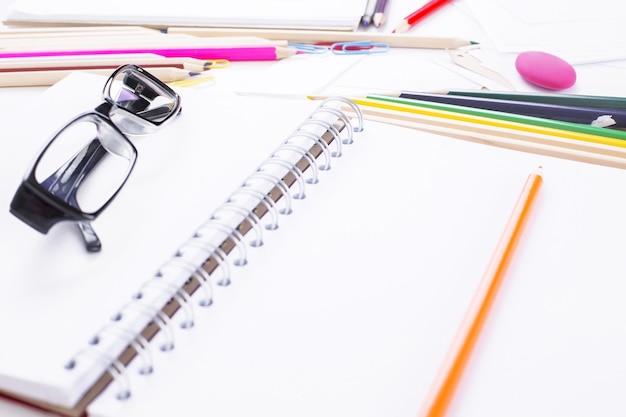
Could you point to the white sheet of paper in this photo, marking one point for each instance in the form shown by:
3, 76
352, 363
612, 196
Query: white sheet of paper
577, 32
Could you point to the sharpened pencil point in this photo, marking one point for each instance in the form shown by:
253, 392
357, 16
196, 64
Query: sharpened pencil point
402, 27
378, 20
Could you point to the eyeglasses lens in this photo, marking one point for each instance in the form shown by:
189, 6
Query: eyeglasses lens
86, 163
150, 102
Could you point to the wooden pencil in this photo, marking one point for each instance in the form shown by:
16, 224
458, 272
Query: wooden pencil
546, 98
73, 30
444, 386
236, 53
580, 114
134, 40
106, 61
549, 143
412, 19
146, 60
379, 13
574, 130
47, 78
328, 37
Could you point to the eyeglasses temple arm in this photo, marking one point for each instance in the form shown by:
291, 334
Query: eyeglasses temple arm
88, 157
64, 181
92, 241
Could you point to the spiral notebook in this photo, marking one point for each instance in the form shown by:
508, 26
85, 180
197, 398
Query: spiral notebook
334, 289
182, 174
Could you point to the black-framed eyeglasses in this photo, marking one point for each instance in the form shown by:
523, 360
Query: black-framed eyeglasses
87, 162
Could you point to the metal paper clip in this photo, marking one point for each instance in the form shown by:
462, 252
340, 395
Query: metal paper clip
359, 47
309, 48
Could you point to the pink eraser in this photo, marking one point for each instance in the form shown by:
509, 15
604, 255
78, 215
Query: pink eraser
545, 70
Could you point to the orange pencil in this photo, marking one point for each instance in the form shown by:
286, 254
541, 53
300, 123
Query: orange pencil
450, 374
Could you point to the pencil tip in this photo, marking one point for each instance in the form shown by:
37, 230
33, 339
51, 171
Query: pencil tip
378, 20
474, 43
402, 27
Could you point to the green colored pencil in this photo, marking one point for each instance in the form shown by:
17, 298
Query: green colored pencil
603, 102
529, 120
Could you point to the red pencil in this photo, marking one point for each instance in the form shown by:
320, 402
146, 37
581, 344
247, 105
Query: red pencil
419, 14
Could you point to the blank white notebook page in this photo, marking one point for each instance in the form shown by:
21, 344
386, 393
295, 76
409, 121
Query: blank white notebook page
54, 295
350, 306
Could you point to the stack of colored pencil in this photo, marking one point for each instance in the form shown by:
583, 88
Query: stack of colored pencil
530, 122
42, 56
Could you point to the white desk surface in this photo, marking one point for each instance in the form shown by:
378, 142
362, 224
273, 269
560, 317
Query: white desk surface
602, 79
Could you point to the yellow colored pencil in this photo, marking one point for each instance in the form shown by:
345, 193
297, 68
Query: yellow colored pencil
561, 133
499, 136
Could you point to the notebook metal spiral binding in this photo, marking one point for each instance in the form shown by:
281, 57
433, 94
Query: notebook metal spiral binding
250, 216
325, 124
304, 154
206, 256
159, 318
199, 274
276, 182
138, 342
180, 295
229, 232
268, 203
217, 254
114, 368
323, 146
293, 169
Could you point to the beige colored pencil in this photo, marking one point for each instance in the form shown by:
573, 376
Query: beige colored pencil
137, 40
105, 61
72, 30
47, 78
548, 145
75, 36
306, 36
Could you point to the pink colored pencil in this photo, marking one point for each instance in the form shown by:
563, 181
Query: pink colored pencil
252, 53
